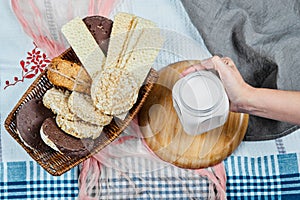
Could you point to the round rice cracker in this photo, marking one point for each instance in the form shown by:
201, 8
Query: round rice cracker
82, 106
78, 128
57, 101
114, 91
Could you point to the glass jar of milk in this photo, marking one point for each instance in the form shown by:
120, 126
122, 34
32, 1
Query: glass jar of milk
200, 101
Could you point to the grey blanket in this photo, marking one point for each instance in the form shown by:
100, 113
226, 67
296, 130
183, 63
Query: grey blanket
263, 38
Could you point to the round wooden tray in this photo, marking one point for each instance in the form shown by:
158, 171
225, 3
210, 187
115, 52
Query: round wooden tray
163, 132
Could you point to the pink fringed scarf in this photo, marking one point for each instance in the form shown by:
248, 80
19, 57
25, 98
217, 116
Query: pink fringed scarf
42, 20
91, 171
91, 168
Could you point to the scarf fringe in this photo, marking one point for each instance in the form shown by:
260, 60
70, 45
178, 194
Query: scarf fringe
91, 172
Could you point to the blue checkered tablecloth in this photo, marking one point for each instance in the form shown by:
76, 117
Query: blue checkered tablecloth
27, 180
265, 177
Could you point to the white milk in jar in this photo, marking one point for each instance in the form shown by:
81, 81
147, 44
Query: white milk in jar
200, 101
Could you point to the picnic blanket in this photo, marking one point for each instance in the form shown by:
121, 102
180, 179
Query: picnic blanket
263, 39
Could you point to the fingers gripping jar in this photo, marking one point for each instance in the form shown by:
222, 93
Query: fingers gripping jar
200, 101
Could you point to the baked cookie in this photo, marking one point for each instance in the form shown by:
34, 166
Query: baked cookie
29, 121
69, 75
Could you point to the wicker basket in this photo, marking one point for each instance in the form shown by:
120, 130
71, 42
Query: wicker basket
56, 163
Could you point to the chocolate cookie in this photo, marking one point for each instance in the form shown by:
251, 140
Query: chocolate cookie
65, 143
100, 27
29, 121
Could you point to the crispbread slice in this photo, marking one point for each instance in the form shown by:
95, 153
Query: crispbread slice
144, 53
110, 92
123, 23
134, 35
84, 45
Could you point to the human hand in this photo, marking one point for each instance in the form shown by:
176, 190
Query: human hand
236, 88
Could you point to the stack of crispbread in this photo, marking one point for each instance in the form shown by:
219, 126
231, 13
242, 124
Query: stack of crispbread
103, 83
135, 43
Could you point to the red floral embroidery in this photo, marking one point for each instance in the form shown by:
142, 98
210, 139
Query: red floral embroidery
35, 62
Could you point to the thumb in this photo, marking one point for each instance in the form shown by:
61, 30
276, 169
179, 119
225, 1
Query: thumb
221, 67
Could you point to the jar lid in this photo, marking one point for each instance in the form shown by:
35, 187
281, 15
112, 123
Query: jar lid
201, 91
